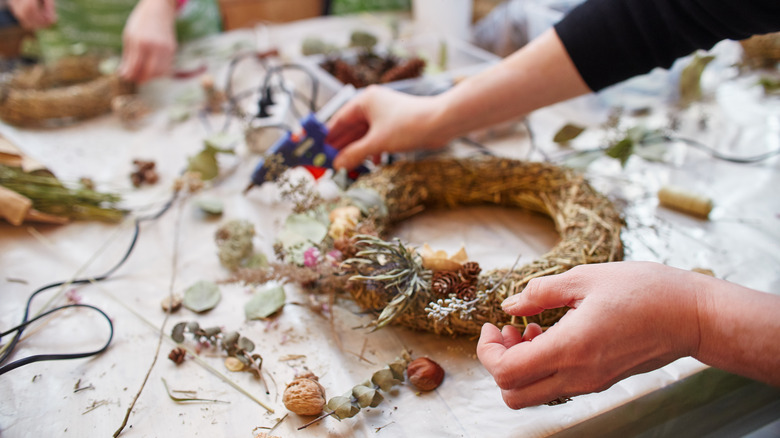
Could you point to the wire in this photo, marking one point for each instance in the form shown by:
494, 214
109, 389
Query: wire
716, 154
19, 329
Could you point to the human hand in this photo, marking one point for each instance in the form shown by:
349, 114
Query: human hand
149, 41
33, 14
383, 120
626, 318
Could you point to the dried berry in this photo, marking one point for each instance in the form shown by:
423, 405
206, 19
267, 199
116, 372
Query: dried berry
425, 374
304, 395
177, 355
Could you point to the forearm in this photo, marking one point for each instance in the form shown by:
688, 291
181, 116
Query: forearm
539, 74
739, 330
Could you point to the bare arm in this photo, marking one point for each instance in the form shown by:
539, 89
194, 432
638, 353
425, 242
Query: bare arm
149, 40
381, 120
628, 318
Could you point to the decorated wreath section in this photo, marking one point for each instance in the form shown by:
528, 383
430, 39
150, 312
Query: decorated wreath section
344, 245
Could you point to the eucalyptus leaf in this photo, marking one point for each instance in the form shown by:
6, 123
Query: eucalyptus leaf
383, 379
568, 133
245, 344
205, 163
652, 152
301, 231
230, 338
193, 326
621, 150
210, 205
179, 113
581, 160
256, 260
222, 142
342, 407
398, 367
211, 332
177, 334
364, 395
367, 200
265, 302
202, 296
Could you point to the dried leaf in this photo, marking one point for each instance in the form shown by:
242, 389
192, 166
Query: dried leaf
343, 407
621, 150
690, 79
265, 302
367, 396
246, 344
177, 334
384, 379
568, 133
202, 296
205, 163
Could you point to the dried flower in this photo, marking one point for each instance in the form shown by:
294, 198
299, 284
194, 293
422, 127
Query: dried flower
343, 221
177, 355
144, 173
311, 257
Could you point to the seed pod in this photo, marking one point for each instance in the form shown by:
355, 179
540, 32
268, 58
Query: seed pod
425, 374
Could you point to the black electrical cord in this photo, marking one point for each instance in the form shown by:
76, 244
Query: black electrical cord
19, 329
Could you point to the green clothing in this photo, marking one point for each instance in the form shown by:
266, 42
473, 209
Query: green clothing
98, 24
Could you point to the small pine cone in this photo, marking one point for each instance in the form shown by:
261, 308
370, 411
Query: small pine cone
345, 73
465, 291
444, 282
177, 355
470, 271
412, 68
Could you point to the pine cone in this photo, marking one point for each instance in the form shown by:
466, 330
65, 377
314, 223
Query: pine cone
412, 68
444, 282
469, 271
177, 355
346, 74
465, 291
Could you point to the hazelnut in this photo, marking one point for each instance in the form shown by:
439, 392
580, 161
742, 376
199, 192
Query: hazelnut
304, 396
425, 374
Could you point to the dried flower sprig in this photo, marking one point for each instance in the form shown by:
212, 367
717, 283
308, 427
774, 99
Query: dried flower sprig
394, 266
232, 343
366, 394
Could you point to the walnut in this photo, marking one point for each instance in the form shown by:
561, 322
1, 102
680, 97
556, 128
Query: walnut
425, 374
304, 395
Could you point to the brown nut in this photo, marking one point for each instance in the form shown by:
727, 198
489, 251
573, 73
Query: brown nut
425, 374
304, 396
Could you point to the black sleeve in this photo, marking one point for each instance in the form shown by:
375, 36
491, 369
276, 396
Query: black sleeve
613, 40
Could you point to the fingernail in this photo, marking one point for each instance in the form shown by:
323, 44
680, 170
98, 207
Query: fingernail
511, 301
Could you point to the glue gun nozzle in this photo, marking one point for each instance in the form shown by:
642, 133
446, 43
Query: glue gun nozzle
248, 188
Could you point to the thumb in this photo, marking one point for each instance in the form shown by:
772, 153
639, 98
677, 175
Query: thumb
542, 293
49, 11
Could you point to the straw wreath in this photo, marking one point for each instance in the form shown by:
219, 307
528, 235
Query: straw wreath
72, 88
392, 280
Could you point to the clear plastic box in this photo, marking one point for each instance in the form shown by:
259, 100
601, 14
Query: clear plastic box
447, 59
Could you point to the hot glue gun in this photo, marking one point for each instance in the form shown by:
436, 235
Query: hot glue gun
307, 147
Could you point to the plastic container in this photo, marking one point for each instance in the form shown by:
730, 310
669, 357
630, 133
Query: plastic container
447, 59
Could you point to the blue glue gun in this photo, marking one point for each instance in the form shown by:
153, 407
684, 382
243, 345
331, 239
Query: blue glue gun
305, 148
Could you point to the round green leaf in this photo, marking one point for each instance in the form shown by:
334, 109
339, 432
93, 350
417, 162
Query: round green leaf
210, 205
201, 296
265, 302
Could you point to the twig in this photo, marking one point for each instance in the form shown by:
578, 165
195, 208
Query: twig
174, 263
188, 399
321, 417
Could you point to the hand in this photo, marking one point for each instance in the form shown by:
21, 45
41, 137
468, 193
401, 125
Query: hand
625, 318
33, 14
382, 120
149, 41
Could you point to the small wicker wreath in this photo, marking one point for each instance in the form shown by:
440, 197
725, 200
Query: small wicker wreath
71, 89
389, 278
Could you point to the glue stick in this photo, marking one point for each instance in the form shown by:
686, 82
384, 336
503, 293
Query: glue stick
685, 201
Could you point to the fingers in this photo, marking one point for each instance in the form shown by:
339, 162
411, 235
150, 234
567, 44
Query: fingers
518, 365
33, 14
537, 393
142, 61
348, 124
543, 293
531, 331
351, 156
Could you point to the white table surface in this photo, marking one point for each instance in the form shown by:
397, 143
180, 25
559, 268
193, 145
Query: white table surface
741, 242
